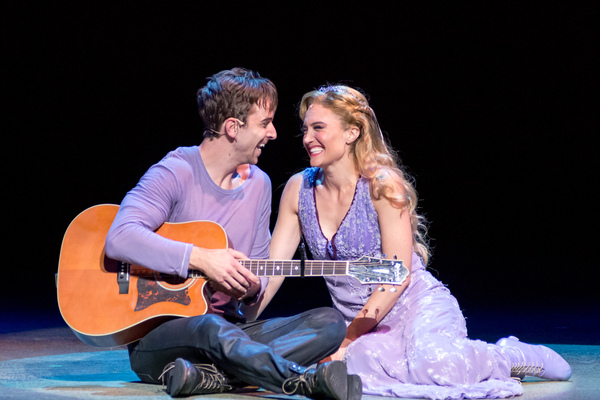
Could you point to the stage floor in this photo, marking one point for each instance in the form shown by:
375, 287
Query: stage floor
42, 359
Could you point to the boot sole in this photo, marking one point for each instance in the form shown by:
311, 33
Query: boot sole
177, 378
335, 378
354, 387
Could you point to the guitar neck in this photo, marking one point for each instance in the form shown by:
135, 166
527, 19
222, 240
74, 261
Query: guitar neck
366, 269
290, 268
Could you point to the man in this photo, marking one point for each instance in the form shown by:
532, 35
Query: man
219, 181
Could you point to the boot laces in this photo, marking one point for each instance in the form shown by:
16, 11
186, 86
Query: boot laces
167, 368
524, 368
302, 384
212, 379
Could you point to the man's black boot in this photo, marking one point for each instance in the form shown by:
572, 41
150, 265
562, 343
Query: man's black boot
327, 381
354, 387
183, 378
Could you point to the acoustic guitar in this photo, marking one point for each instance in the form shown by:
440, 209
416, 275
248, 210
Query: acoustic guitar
110, 303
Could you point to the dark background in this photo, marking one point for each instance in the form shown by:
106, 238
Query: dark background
492, 107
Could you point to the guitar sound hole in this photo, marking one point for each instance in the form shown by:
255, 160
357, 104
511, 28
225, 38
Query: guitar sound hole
172, 279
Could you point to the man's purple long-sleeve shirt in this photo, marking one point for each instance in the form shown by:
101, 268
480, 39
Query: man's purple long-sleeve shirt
179, 189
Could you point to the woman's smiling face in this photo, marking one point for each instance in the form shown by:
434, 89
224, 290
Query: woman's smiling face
324, 136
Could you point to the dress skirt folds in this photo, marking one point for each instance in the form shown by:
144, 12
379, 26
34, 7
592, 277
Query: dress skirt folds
420, 349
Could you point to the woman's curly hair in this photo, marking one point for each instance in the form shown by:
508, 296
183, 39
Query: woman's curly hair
373, 156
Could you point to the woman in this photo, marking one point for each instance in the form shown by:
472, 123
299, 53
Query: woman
408, 340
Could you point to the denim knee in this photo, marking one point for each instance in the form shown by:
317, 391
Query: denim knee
329, 322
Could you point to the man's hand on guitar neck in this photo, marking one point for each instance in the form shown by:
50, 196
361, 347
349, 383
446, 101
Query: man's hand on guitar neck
225, 273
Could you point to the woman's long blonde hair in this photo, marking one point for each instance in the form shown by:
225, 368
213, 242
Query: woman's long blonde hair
372, 154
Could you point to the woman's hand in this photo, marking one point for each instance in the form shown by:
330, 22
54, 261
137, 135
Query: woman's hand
339, 354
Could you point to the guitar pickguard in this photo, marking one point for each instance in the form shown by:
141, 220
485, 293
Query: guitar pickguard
151, 292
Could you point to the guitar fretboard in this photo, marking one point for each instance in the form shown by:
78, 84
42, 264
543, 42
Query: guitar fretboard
294, 267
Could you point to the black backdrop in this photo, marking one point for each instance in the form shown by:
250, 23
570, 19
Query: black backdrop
492, 107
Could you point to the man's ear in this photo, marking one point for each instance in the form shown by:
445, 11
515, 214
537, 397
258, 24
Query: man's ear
231, 127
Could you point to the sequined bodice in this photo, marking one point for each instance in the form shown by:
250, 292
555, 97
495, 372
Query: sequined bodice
358, 235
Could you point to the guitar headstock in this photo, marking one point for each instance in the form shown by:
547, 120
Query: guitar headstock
378, 270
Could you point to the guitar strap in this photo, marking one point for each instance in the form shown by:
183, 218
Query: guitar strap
302, 256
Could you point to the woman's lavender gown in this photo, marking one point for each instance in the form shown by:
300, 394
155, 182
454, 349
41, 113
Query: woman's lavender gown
420, 349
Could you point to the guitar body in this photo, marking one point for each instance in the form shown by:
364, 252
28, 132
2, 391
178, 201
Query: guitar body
108, 303
103, 312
